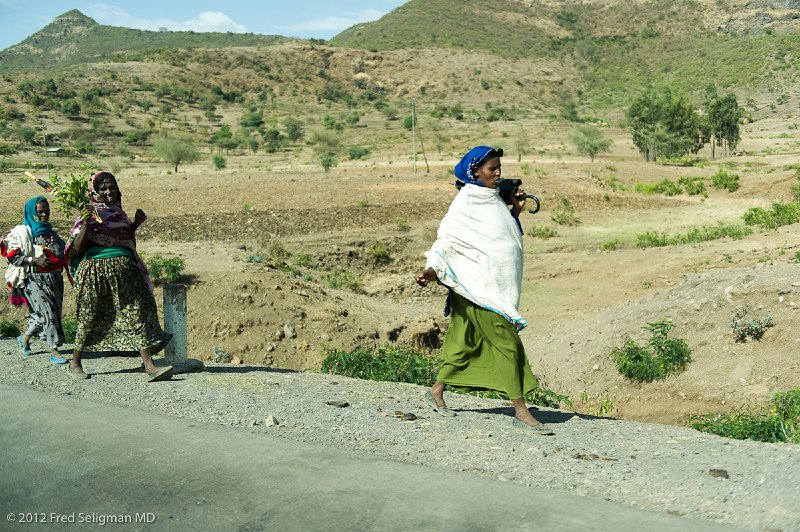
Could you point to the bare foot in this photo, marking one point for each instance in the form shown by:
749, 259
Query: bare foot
437, 392
528, 419
522, 413
76, 370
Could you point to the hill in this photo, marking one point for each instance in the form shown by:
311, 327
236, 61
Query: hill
619, 46
73, 38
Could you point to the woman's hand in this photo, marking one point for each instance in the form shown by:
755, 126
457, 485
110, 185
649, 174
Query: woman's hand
518, 201
425, 276
88, 212
138, 219
42, 261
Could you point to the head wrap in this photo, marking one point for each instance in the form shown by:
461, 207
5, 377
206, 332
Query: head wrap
31, 219
97, 180
465, 169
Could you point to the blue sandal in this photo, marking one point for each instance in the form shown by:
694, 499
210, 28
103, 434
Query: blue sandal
58, 360
25, 350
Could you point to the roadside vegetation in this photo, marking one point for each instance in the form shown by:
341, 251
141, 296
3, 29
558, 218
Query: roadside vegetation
395, 363
778, 421
659, 357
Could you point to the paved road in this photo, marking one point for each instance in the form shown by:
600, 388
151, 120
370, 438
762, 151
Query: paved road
93, 463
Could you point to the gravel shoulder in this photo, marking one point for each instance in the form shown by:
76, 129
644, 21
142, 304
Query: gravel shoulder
656, 467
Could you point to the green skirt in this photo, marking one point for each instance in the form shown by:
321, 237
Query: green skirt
482, 350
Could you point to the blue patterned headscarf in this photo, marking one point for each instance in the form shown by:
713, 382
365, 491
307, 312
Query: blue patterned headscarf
30, 218
465, 169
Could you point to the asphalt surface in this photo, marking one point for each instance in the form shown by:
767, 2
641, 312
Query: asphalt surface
68, 462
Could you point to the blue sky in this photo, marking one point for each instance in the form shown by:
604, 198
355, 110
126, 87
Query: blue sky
321, 19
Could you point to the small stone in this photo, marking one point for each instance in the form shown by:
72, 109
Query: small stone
338, 404
253, 423
325, 337
289, 330
596, 367
718, 473
271, 421
236, 360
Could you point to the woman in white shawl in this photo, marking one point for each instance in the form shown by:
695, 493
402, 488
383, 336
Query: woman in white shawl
478, 256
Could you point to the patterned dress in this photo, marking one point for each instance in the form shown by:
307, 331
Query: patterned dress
115, 309
44, 290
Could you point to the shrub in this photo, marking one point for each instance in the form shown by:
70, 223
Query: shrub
252, 120
723, 179
778, 421
564, 213
744, 325
165, 269
220, 355
386, 363
542, 231
339, 278
661, 356
651, 239
610, 245
278, 252
778, 215
357, 152
256, 258
379, 253
9, 329
666, 187
695, 186
219, 162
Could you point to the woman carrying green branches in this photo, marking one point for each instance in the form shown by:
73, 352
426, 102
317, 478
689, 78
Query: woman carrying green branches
478, 256
116, 310
35, 254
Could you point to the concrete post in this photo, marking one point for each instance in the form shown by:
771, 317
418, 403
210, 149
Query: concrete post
175, 323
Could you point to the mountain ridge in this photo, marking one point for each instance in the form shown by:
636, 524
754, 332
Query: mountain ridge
74, 38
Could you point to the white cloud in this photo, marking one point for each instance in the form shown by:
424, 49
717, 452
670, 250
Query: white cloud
335, 24
206, 21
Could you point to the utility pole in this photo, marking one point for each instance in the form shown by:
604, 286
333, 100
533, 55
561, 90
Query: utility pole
44, 143
414, 131
414, 137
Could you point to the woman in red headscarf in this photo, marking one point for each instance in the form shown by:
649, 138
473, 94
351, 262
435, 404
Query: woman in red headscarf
116, 310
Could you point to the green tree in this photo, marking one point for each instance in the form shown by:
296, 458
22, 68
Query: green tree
252, 120
522, 142
71, 108
26, 134
590, 141
327, 146
721, 120
176, 150
294, 129
664, 123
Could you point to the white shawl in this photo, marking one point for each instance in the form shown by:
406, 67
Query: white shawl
478, 252
20, 238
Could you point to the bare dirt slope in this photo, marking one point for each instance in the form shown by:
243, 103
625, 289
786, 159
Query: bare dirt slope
286, 262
